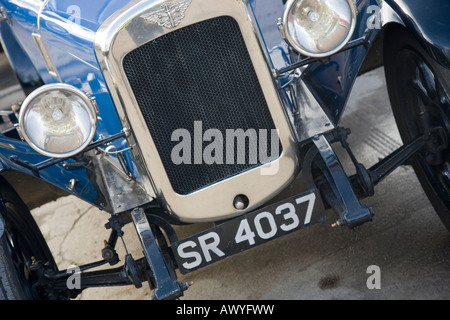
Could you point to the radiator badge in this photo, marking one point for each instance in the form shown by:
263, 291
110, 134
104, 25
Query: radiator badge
170, 15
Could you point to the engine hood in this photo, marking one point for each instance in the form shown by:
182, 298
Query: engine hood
85, 13
69, 27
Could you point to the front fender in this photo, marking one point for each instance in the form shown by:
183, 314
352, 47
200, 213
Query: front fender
24, 69
428, 21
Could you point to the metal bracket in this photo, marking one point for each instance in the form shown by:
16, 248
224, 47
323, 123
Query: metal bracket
35, 168
350, 210
363, 41
342, 192
165, 286
4, 16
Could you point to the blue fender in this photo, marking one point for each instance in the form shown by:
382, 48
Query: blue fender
428, 21
23, 67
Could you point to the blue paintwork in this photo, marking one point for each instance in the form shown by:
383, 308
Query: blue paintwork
69, 37
72, 50
56, 175
429, 20
24, 68
332, 95
343, 66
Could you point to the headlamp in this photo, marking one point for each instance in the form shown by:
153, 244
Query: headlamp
58, 120
318, 28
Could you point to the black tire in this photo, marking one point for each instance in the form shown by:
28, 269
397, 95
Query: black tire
20, 244
415, 85
10, 287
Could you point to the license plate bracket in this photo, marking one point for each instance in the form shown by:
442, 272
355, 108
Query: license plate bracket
249, 230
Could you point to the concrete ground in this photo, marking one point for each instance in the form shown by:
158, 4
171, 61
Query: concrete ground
406, 240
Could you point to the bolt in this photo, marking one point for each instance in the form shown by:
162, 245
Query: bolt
275, 74
338, 223
107, 253
73, 183
126, 132
240, 202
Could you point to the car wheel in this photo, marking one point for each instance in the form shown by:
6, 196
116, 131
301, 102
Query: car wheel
420, 103
21, 244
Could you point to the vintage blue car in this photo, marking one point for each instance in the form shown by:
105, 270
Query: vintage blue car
173, 112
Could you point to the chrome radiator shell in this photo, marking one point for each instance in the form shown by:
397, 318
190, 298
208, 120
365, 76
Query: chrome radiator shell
130, 29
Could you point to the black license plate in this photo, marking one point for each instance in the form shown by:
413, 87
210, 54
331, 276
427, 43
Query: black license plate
248, 231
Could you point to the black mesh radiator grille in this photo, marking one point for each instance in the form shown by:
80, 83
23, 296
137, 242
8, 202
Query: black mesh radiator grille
200, 74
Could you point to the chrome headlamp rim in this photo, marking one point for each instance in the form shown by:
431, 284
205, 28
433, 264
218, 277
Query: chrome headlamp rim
67, 88
293, 44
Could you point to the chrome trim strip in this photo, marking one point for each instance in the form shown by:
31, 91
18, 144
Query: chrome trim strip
42, 47
127, 30
41, 8
51, 68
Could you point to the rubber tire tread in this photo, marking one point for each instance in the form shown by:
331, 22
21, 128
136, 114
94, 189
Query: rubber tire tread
10, 287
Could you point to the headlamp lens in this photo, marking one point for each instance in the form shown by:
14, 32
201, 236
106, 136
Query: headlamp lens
319, 28
58, 121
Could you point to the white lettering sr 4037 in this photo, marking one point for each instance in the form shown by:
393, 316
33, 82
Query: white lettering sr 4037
247, 231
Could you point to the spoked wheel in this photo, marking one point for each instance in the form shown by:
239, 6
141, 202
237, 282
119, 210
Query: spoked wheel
421, 104
21, 245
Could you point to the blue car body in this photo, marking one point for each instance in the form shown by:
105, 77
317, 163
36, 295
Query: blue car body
69, 32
